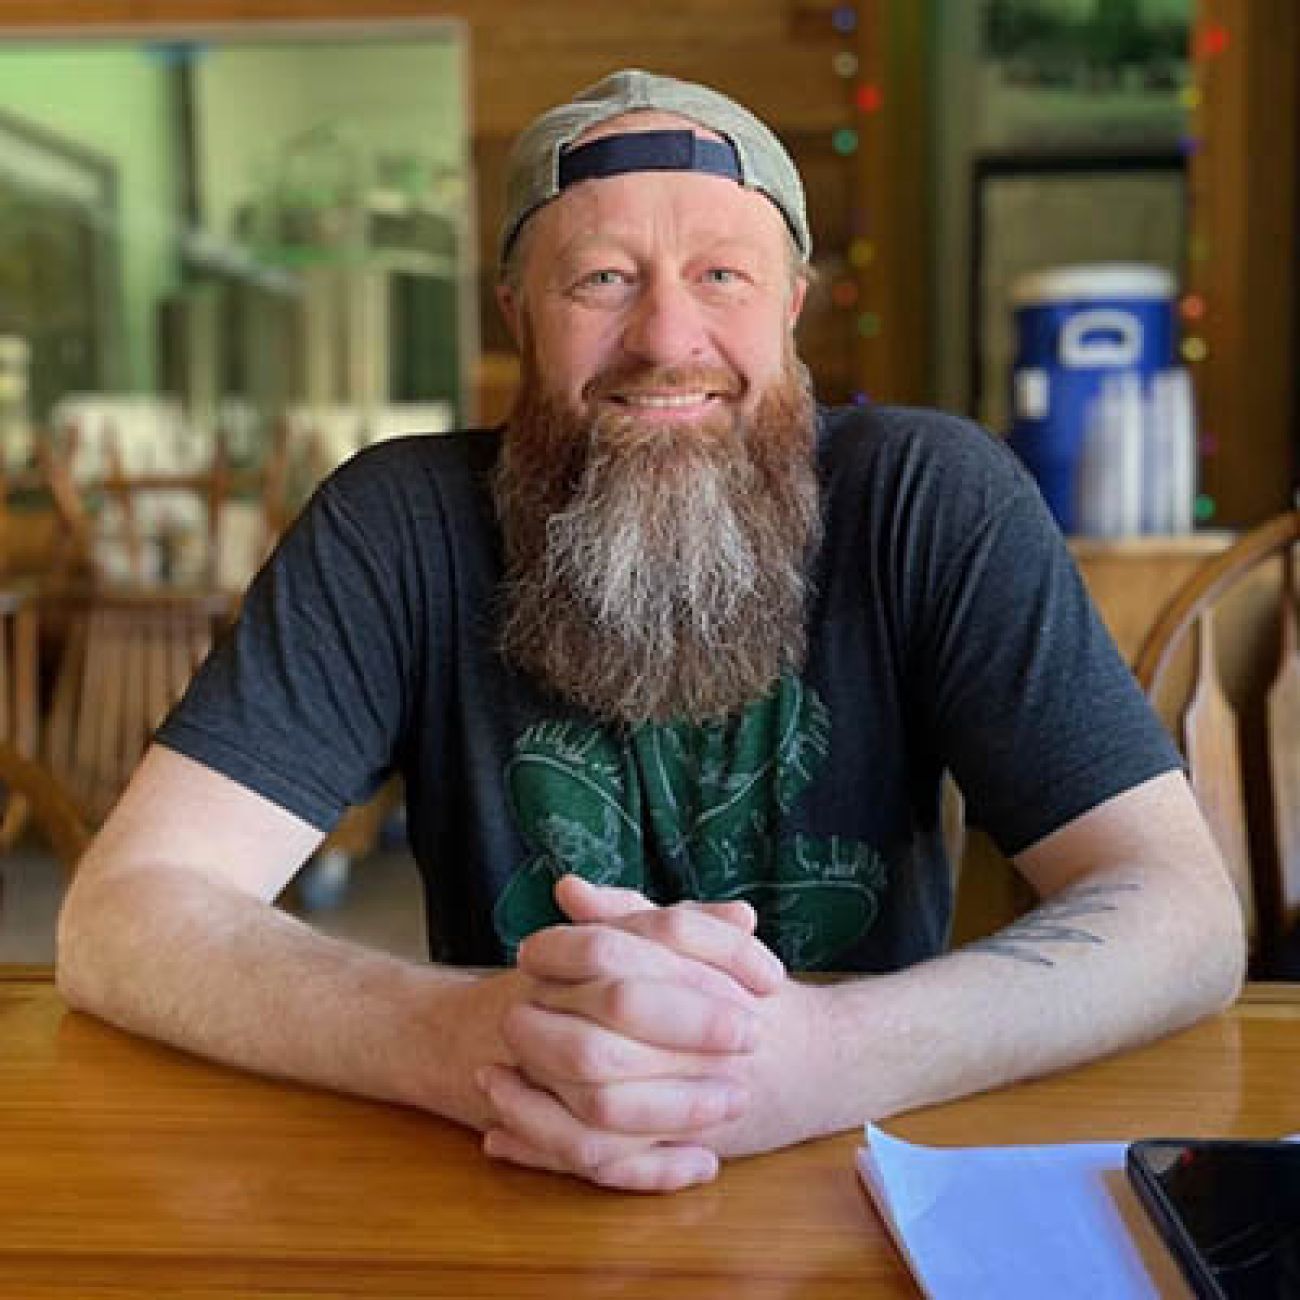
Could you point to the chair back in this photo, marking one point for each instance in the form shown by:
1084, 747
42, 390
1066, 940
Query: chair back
137, 528
27, 782
134, 609
29, 792
19, 698
1222, 668
127, 656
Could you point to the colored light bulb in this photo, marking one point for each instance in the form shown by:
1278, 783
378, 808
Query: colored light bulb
845, 294
862, 252
1213, 41
869, 98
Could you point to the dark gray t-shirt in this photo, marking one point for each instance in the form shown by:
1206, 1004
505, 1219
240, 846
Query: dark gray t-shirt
948, 630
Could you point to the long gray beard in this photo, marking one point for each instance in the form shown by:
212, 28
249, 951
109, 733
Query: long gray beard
662, 573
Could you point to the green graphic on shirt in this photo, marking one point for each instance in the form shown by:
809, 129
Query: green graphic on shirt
681, 810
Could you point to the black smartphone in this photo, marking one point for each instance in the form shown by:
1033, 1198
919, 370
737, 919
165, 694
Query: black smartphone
1229, 1211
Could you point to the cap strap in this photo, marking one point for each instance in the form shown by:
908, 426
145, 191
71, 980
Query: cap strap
649, 151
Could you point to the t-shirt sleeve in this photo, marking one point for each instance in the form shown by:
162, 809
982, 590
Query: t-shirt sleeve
304, 700
1033, 709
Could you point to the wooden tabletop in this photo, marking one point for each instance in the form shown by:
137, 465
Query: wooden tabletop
127, 1169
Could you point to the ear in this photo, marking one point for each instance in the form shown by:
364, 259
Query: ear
798, 293
511, 311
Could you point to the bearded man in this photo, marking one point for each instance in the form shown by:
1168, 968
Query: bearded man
672, 668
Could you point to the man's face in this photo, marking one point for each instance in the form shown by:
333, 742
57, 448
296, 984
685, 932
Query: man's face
656, 488
668, 295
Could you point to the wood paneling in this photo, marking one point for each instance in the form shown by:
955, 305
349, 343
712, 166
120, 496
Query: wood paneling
892, 191
1244, 238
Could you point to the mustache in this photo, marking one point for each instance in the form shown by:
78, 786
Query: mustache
635, 379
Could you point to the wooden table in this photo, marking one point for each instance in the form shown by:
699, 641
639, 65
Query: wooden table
127, 1169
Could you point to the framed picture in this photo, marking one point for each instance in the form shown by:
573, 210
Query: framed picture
1031, 211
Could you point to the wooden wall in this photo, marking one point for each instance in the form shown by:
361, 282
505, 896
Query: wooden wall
777, 56
1244, 224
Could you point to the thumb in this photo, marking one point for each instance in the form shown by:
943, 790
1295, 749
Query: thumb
584, 903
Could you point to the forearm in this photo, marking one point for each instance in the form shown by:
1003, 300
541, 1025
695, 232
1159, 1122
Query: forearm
1106, 964
206, 967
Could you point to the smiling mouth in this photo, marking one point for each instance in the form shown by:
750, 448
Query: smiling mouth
663, 401
665, 390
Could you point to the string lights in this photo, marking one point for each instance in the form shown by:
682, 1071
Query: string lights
848, 290
1211, 41
845, 293
868, 324
869, 98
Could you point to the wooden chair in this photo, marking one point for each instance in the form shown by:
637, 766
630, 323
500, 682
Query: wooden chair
131, 634
19, 653
295, 463
130, 647
127, 657
19, 697
1222, 667
29, 793
44, 799
105, 534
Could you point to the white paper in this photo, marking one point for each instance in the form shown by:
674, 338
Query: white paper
1012, 1222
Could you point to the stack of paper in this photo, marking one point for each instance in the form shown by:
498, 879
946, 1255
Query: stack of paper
1011, 1222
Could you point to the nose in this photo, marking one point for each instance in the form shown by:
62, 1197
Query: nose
665, 324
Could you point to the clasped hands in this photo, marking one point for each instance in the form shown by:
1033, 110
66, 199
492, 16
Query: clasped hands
645, 1042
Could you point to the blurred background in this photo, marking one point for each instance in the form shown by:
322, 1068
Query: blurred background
208, 223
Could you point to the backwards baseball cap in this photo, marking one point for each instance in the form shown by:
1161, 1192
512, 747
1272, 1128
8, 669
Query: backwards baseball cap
544, 159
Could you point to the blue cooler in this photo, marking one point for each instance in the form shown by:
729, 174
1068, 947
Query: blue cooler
1076, 325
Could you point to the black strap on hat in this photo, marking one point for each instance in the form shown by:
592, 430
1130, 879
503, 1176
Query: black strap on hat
648, 151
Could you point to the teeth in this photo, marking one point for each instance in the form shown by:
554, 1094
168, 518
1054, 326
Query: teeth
664, 401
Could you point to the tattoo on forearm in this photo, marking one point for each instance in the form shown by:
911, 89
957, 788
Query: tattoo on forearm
1053, 922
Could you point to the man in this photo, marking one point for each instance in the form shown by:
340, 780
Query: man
672, 670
